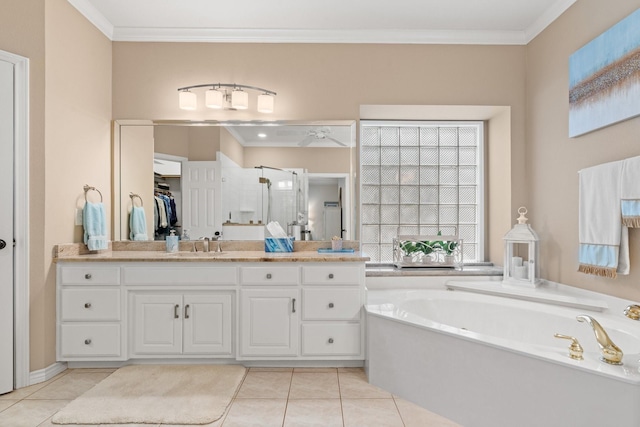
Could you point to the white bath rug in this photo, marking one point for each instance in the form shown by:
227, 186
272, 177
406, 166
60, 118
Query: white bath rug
156, 394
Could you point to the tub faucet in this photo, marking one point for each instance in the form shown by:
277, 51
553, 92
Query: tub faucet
611, 353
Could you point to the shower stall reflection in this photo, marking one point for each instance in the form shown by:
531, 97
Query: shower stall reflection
259, 195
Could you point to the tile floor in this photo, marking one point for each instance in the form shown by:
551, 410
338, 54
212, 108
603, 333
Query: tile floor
283, 397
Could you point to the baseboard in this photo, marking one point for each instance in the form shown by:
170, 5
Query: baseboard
47, 373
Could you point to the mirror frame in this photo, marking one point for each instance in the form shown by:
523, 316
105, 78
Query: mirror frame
116, 193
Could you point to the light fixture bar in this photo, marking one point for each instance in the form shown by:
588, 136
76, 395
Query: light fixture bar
231, 85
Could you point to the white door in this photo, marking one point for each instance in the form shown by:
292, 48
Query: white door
269, 322
6, 226
207, 324
201, 188
157, 324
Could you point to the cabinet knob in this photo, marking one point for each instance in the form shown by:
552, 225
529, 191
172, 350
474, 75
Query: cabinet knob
330, 340
268, 275
87, 305
87, 276
331, 276
87, 341
330, 305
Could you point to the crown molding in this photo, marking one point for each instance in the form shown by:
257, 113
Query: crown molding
319, 36
550, 15
94, 16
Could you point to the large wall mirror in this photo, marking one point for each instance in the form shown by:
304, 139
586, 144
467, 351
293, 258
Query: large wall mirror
232, 178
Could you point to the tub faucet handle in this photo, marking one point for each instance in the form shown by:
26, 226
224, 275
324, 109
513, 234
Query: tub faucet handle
611, 353
632, 312
575, 349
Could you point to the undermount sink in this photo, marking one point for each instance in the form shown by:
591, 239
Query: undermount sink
189, 254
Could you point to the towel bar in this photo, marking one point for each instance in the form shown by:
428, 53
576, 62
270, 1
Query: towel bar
133, 196
87, 188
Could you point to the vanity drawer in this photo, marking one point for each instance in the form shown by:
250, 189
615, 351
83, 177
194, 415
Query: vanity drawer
271, 275
331, 275
188, 275
331, 304
342, 339
89, 304
90, 340
89, 275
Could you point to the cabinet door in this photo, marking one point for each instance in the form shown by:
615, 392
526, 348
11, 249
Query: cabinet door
269, 322
157, 324
207, 324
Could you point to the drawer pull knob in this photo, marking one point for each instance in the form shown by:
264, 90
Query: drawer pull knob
87, 341
87, 276
269, 276
87, 305
330, 340
330, 305
331, 276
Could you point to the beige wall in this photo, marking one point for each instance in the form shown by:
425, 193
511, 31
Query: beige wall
230, 147
136, 176
78, 140
314, 159
554, 159
191, 142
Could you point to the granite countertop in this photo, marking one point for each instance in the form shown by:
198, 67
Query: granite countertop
232, 251
388, 270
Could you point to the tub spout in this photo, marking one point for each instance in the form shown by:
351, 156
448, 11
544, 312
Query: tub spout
611, 353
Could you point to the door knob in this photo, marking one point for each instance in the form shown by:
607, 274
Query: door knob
3, 244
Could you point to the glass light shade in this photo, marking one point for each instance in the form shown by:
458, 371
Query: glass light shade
239, 100
213, 98
187, 100
265, 103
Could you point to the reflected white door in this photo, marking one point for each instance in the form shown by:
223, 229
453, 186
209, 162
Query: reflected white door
201, 188
6, 226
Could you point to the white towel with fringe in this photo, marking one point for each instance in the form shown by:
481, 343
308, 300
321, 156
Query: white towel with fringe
630, 189
604, 241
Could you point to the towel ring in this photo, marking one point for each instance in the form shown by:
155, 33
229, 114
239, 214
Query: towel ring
133, 196
87, 188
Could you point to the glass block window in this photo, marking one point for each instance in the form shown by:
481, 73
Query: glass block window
421, 178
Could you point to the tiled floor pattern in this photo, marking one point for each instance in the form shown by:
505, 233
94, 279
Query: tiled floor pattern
282, 397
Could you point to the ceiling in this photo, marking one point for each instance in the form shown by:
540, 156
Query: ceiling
293, 136
514, 22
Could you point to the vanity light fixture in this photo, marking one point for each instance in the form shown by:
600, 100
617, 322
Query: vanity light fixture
226, 95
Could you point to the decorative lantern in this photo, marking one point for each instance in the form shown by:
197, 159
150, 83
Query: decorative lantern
521, 254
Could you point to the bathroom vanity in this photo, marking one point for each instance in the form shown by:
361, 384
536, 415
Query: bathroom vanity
240, 305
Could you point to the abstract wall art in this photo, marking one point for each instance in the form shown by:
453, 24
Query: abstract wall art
604, 78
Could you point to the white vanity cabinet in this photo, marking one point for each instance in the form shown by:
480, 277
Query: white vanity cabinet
246, 311
332, 298
182, 309
301, 311
269, 307
89, 313
173, 323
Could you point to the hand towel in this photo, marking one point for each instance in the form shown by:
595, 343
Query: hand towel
138, 224
630, 188
94, 222
604, 245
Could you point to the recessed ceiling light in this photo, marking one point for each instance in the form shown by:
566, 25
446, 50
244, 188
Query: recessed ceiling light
262, 135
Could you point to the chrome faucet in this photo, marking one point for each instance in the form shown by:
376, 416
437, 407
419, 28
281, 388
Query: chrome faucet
611, 353
205, 244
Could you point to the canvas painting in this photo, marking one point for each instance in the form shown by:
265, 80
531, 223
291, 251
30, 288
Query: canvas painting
604, 78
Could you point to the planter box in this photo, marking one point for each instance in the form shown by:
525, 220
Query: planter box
422, 251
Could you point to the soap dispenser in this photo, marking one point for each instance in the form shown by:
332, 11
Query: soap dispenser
172, 242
